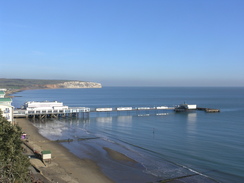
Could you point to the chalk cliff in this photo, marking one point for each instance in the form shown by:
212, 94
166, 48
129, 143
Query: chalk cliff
74, 84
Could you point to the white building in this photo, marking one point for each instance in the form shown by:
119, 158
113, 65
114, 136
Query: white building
2, 93
190, 106
185, 107
44, 107
6, 108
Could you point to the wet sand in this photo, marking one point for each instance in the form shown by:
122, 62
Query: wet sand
64, 167
118, 156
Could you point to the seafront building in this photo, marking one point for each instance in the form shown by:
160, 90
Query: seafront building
6, 106
44, 107
2, 93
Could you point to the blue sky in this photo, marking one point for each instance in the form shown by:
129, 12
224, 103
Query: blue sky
124, 42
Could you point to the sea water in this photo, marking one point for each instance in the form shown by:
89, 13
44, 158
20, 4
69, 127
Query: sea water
211, 144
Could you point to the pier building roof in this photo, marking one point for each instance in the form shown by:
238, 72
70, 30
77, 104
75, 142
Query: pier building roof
43, 104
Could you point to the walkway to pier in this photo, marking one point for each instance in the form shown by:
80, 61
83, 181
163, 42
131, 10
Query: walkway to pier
120, 109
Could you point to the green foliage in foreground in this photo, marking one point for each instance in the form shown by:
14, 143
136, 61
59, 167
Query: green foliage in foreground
13, 164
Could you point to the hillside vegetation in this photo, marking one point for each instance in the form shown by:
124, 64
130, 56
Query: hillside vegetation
26, 83
15, 85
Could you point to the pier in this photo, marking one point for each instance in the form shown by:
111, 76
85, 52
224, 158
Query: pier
79, 111
57, 109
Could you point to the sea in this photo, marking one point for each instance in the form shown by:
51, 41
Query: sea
167, 144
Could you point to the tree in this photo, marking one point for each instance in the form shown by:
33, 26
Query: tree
13, 164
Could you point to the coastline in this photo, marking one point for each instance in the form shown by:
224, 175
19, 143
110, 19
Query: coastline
18, 85
9, 93
65, 166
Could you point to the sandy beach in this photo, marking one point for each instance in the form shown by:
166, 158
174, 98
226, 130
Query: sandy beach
64, 167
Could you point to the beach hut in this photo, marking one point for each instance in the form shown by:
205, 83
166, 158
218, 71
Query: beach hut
46, 156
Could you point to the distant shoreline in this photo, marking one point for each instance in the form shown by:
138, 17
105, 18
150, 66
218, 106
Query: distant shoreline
18, 85
10, 92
